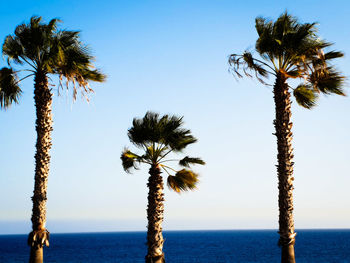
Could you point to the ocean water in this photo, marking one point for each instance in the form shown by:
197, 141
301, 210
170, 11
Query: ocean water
319, 246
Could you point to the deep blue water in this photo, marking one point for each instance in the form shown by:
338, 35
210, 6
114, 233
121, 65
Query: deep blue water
321, 246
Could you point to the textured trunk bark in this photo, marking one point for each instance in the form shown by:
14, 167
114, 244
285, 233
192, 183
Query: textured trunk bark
155, 215
43, 103
283, 126
36, 255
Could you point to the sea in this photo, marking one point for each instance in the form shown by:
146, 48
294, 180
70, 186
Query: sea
246, 246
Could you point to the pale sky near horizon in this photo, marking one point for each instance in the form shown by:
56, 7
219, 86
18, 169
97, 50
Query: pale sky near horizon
171, 57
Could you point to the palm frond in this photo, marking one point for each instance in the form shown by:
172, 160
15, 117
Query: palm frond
253, 65
247, 64
328, 81
187, 161
35, 21
265, 43
13, 49
305, 96
183, 180
73, 62
260, 25
52, 25
333, 54
129, 160
92, 75
9, 89
179, 140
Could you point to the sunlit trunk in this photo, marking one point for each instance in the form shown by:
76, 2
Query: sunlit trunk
155, 217
283, 126
43, 103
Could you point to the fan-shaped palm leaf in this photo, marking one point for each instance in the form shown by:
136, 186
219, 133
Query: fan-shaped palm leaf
327, 80
129, 160
183, 180
305, 96
9, 89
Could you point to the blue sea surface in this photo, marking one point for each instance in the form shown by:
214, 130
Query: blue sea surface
246, 246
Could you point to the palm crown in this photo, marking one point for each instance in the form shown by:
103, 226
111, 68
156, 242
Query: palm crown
159, 137
46, 49
294, 51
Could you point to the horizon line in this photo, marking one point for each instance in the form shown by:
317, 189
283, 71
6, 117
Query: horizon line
177, 230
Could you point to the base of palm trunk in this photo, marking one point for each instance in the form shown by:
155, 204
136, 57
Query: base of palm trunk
36, 255
288, 253
156, 259
37, 239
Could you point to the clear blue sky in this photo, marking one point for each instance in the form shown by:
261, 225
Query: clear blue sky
171, 57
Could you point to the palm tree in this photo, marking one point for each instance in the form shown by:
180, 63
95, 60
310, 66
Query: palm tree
43, 50
289, 50
158, 137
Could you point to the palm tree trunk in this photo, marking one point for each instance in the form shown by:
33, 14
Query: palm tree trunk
43, 103
155, 217
283, 127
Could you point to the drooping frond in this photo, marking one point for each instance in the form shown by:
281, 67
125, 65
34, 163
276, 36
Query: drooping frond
129, 160
164, 130
253, 65
9, 89
305, 96
74, 58
74, 62
247, 64
187, 161
183, 180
